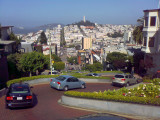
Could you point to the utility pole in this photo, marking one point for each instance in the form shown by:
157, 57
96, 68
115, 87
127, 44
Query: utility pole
50, 51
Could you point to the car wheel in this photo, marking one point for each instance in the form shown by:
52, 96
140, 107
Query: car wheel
82, 86
65, 88
127, 84
136, 82
112, 84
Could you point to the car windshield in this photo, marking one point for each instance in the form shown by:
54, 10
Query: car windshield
119, 76
61, 78
19, 89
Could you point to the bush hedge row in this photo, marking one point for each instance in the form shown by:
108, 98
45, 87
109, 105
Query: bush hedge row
29, 78
116, 98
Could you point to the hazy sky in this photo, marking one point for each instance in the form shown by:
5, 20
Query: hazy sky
30, 13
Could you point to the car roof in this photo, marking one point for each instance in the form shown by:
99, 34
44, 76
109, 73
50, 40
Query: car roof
67, 76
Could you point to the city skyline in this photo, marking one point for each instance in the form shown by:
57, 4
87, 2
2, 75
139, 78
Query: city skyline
22, 13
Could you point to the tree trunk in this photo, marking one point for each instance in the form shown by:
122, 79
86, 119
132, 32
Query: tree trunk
30, 74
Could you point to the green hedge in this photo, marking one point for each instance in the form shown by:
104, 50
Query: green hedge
116, 98
154, 81
29, 78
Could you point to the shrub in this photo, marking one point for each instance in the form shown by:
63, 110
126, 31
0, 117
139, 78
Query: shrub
143, 94
29, 78
114, 97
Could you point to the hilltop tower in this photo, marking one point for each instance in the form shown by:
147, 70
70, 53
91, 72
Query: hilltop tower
84, 19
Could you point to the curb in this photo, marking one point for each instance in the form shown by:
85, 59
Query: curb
132, 117
127, 109
3, 92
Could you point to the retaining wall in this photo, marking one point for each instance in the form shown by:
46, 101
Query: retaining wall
118, 107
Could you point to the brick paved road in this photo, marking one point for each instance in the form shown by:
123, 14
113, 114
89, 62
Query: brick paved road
46, 106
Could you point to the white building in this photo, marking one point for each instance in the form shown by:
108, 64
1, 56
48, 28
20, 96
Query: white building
151, 40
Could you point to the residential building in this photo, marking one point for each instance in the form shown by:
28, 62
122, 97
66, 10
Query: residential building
8, 46
151, 40
5, 32
86, 43
46, 49
27, 47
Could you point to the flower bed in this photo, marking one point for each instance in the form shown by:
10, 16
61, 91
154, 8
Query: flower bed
143, 94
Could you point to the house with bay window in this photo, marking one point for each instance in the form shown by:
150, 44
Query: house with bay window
151, 40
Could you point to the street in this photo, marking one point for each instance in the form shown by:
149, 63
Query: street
46, 104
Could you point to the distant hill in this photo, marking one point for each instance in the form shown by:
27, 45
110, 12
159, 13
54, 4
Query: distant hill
21, 30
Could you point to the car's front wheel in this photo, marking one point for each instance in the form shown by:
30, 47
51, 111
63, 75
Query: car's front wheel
127, 84
65, 88
83, 86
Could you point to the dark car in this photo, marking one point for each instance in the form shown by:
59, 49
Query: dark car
19, 95
93, 74
53, 73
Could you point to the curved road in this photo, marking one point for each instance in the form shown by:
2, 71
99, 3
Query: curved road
46, 106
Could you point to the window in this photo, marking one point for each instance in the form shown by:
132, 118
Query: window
145, 41
151, 42
153, 21
75, 79
119, 76
146, 21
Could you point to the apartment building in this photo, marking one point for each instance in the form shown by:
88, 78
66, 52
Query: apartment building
151, 40
86, 43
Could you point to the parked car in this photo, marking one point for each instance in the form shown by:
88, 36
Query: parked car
124, 80
53, 73
93, 74
65, 82
19, 95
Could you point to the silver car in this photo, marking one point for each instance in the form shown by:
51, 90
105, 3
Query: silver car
124, 80
65, 82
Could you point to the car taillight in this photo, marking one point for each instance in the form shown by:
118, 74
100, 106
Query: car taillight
28, 97
58, 83
51, 80
123, 79
9, 98
113, 78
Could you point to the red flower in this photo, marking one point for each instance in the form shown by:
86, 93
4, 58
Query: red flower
124, 94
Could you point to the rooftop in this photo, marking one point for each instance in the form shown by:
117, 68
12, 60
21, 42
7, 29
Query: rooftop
151, 10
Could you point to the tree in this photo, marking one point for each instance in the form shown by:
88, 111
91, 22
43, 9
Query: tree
118, 60
115, 35
33, 61
54, 57
139, 64
94, 67
72, 60
63, 42
98, 66
90, 67
43, 38
137, 32
14, 67
59, 66
13, 37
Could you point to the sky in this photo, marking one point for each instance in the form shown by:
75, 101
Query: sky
32, 13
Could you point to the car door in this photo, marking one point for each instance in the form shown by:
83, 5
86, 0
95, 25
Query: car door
69, 83
76, 83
